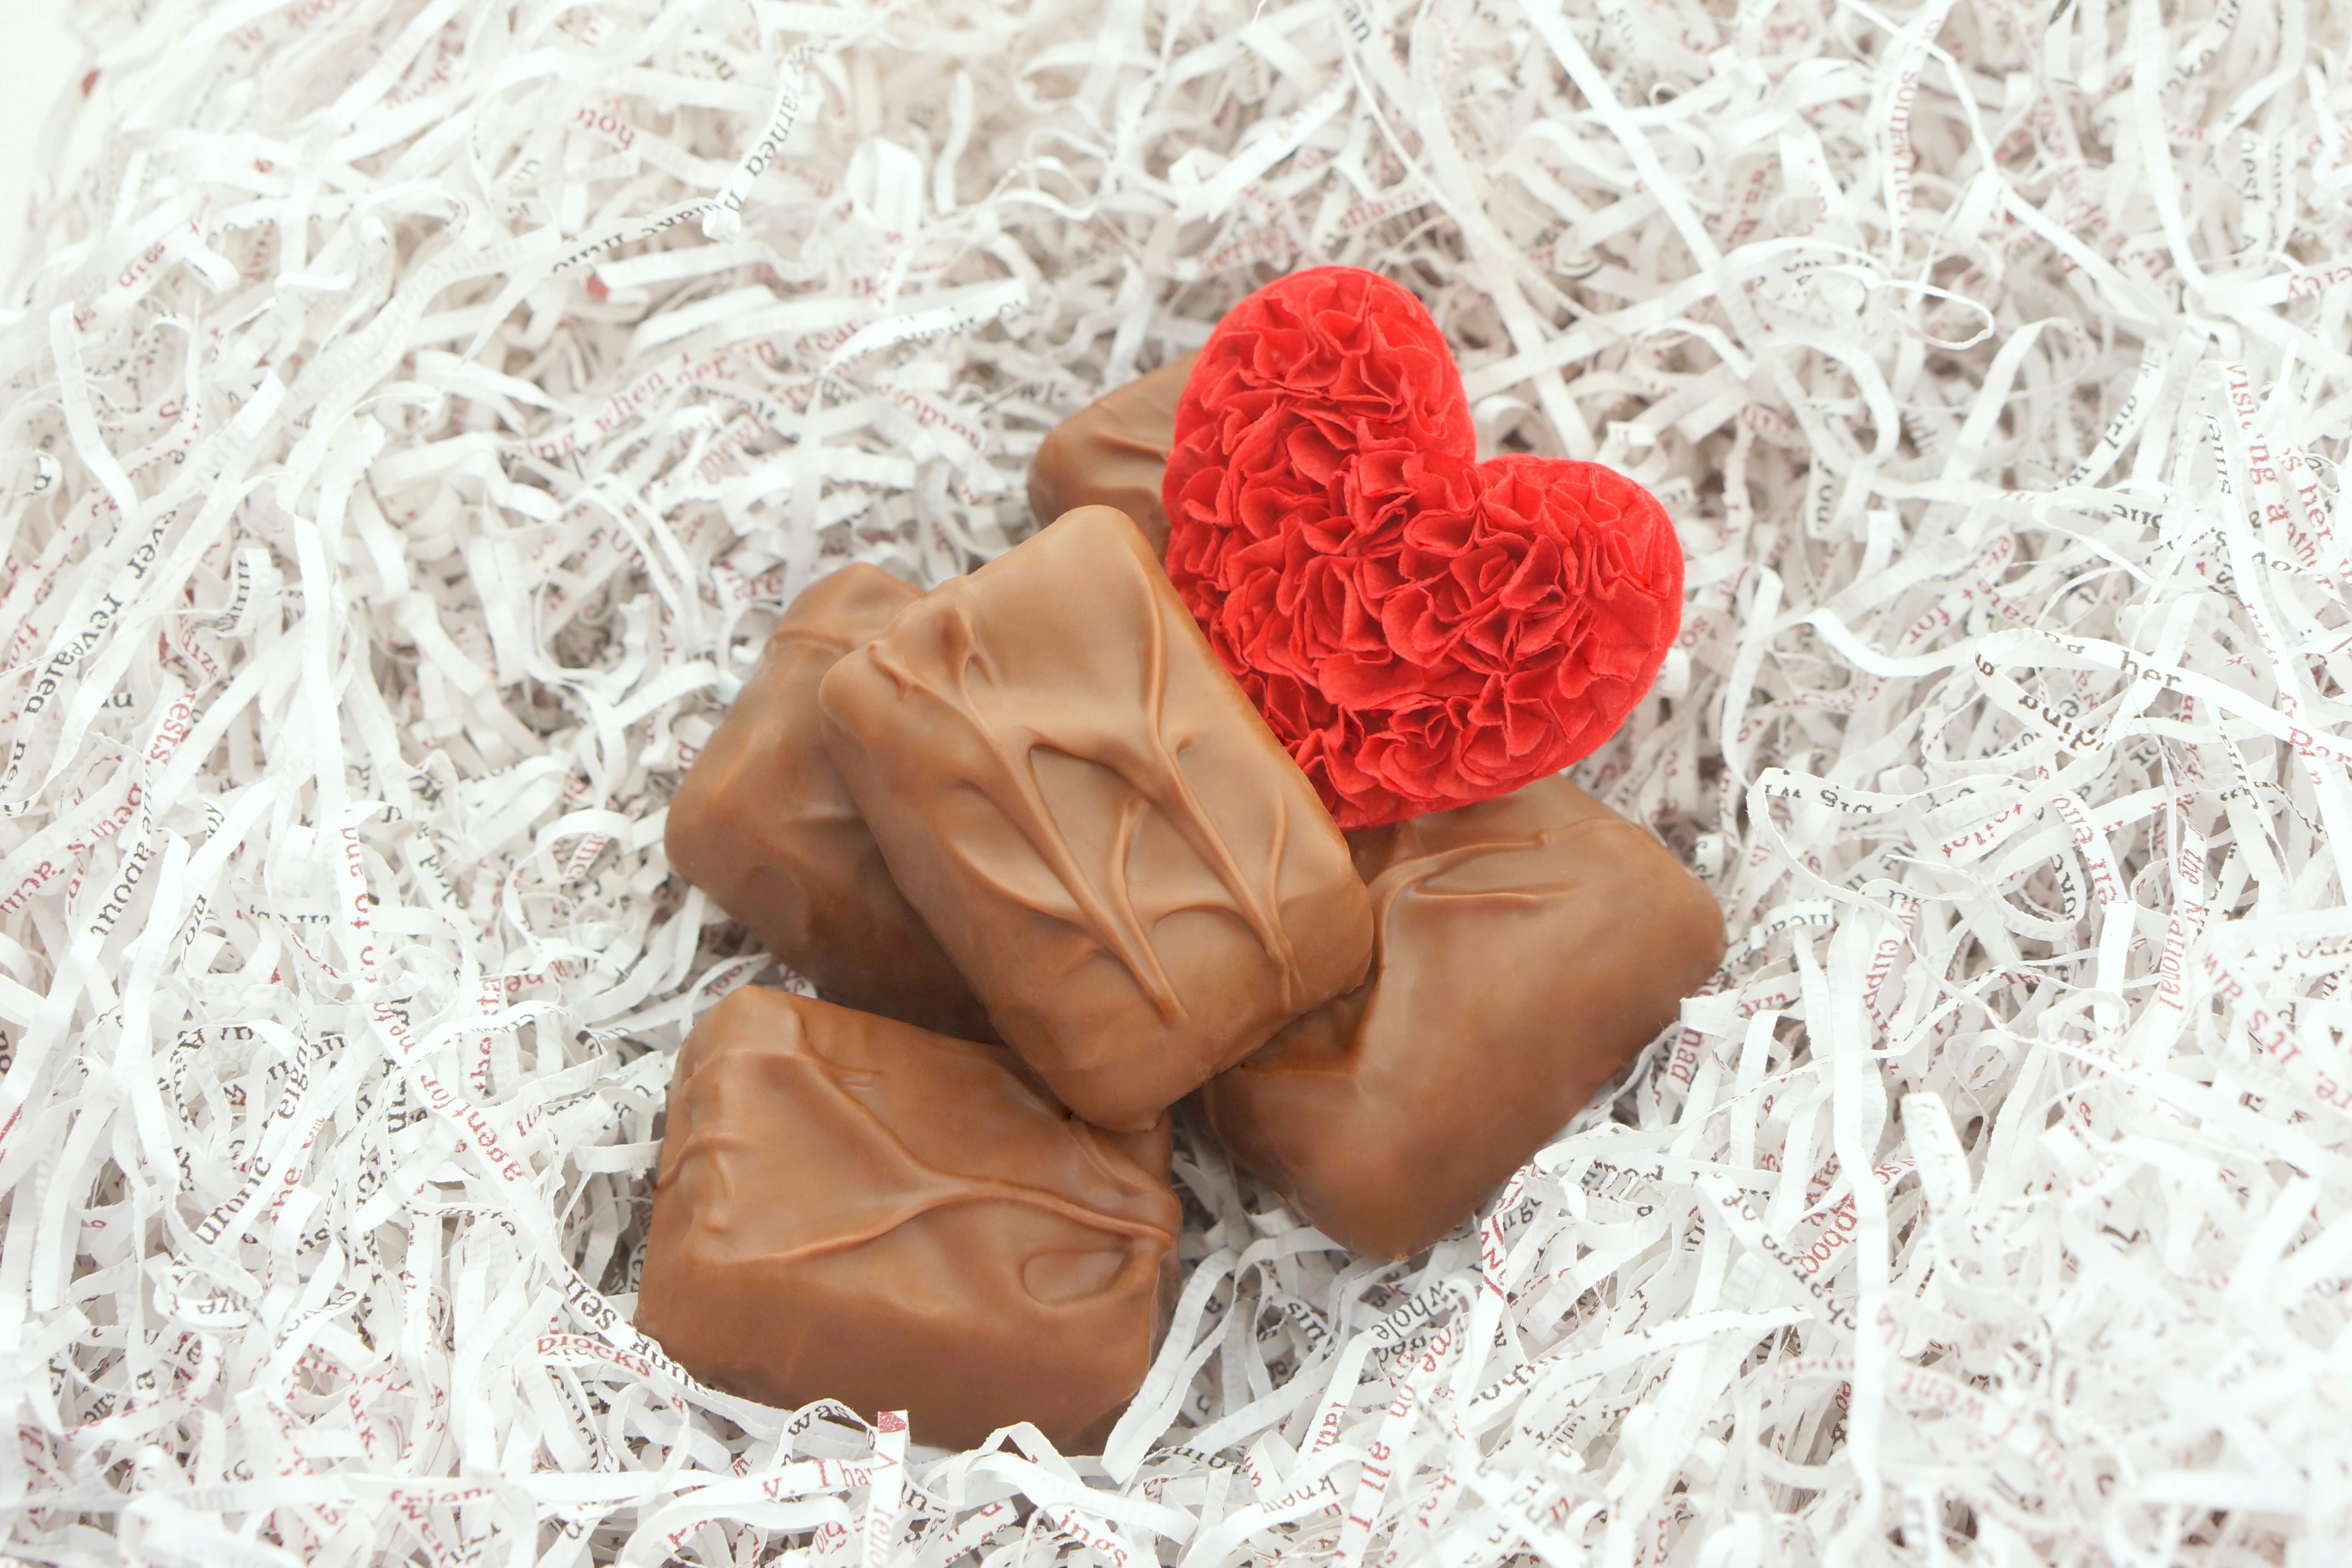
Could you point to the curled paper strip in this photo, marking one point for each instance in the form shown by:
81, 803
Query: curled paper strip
420, 411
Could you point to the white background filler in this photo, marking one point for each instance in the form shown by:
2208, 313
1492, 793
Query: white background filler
36, 66
420, 409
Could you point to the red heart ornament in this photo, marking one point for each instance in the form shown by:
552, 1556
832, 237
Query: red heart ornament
1421, 630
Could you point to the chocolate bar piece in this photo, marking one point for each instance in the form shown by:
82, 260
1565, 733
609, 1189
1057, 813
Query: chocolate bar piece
763, 824
1136, 878
852, 1207
1529, 946
1113, 452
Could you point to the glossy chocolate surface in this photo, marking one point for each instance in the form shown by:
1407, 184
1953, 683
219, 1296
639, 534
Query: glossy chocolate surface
851, 1208
1529, 946
1113, 452
764, 824
1110, 843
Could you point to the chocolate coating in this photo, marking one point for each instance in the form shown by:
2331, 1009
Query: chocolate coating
1529, 946
1080, 801
855, 1208
764, 824
1113, 452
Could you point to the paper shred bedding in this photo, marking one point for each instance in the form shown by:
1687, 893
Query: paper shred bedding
425, 406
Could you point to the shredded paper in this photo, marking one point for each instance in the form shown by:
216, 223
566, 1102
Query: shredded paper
415, 412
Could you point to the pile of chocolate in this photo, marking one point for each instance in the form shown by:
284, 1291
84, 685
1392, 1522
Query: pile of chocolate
1053, 874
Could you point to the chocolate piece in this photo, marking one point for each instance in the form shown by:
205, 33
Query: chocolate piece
1112, 452
1529, 946
1136, 879
764, 824
853, 1207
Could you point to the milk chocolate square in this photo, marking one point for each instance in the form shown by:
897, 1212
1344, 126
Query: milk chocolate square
852, 1207
763, 824
1114, 452
1529, 946
1074, 795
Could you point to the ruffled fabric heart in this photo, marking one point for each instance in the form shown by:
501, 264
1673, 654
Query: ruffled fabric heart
1420, 630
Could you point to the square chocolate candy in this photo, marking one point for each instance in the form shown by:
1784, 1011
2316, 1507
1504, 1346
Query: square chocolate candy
1114, 452
1529, 946
765, 826
1112, 847
852, 1207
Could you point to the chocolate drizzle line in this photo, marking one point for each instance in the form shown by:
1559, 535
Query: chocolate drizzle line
921, 1188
